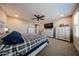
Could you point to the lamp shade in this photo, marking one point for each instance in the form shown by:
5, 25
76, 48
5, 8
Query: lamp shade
6, 29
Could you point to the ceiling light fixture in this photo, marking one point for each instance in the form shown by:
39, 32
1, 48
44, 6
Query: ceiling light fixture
62, 15
16, 15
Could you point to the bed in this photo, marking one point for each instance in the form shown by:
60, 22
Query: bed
32, 45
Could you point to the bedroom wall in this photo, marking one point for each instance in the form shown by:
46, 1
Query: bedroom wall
62, 21
3, 21
48, 32
40, 29
65, 36
20, 25
76, 33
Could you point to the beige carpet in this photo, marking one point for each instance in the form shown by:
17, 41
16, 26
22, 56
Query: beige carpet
59, 48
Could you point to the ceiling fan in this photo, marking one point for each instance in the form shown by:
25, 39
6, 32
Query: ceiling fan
38, 17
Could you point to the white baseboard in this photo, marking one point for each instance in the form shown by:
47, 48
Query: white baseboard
76, 47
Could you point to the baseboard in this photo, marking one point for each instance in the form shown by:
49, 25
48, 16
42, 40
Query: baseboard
62, 40
76, 47
49, 36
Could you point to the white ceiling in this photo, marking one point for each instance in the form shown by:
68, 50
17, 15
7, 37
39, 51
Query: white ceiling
52, 11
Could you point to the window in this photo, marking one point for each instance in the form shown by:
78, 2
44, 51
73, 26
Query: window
76, 24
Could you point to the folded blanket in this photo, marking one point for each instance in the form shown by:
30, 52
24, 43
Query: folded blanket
13, 38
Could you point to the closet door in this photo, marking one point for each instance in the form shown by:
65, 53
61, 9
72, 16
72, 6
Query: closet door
57, 32
63, 33
67, 33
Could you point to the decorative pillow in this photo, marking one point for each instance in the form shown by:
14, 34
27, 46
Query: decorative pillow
13, 38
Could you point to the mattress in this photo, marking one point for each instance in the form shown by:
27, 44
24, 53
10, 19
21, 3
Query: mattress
30, 43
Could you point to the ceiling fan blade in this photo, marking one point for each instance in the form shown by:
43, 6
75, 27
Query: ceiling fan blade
42, 19
38, 17
42, 16
34, 18
35, 15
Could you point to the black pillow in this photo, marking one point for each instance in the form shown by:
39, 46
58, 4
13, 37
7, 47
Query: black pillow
13, 38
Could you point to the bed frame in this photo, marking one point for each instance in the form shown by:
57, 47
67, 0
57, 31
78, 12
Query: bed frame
38, 49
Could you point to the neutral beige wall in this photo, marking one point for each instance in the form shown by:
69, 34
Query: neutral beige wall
19, 25
62, 21
3, 17
76, 39
40, 28
76, 11
65, 21
3, 21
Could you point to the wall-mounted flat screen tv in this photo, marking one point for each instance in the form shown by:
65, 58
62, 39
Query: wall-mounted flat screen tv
48, 25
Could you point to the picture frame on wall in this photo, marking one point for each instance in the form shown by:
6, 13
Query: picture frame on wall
63, 25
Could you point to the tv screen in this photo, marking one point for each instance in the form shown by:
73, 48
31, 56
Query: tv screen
48, 25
